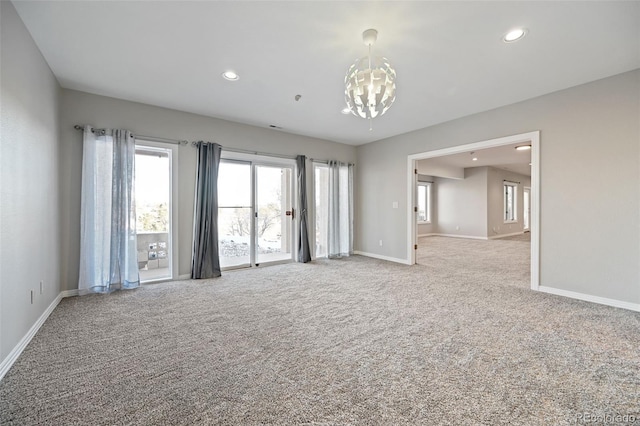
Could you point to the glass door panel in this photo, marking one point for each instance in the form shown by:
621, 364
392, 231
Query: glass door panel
235, 214
153, 207
274, 214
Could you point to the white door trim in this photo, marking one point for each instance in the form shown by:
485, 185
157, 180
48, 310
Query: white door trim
527, 211
530, 137
174, 219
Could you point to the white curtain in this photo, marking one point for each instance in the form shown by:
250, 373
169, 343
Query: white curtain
340, 209
108, 252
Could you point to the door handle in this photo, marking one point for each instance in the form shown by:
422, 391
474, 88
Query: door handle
291, 213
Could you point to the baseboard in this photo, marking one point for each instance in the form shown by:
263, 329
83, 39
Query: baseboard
470, 237
589, 298
381, 257
70, 293
513, 234
184, 277
10, 359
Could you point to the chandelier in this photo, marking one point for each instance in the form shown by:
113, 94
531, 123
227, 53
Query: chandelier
370, 83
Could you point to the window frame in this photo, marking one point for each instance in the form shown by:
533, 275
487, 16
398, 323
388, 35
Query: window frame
428, 202
513, 218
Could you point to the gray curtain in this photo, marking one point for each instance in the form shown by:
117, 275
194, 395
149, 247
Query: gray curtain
304, 253
205, 262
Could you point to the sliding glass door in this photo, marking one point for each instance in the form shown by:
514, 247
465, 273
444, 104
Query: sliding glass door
274, 214
235, 213
255, 213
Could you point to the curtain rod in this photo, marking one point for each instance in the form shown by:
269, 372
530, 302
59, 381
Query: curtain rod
248, 151
510, 181
266, 154
195, 143
148, 138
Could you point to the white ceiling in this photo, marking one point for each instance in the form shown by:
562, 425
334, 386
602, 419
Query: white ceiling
449, 56
504, 157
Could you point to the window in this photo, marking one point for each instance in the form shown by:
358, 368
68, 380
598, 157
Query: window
424, 202
510, 204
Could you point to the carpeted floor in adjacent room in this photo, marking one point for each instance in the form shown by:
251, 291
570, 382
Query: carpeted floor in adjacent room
457, 339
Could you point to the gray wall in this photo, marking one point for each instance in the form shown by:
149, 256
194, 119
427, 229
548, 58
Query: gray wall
590, 239
100, 111
433, 167
462, 204
29, 209
495, 202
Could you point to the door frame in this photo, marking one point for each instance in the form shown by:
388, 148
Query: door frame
264, 160
531, 137
173, 204
526, 209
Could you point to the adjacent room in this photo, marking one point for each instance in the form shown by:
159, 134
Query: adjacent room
310, 212
476, 205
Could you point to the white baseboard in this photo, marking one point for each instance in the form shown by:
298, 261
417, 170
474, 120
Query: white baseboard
184, 277
381, 257
589, 298
470, 237
10, 359
495, 237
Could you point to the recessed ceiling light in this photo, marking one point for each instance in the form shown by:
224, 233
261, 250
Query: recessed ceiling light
230, 75
514, 35
523, 147
346, 110
474, 159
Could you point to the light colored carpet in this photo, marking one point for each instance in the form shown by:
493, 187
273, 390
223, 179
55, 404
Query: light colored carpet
460, 340
524, 237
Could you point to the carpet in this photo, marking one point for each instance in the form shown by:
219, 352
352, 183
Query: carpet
458, 340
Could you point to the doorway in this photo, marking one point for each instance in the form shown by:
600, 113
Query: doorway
255, 213
154, 228
532, 139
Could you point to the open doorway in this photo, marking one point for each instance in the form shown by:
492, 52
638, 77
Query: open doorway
498, 213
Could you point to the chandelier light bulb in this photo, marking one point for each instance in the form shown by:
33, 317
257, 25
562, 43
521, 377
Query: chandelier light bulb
370, 83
